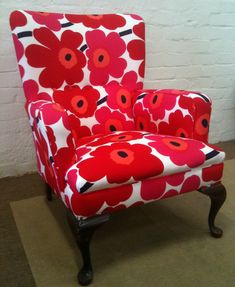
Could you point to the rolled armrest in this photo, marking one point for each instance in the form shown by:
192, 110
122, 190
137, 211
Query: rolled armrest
53, 141
173, 112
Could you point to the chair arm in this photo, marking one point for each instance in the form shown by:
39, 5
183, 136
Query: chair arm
173, 112
53, 141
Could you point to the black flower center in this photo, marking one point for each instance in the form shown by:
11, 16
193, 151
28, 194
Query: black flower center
182, 135
123, 99
112, 128
155, 99
101, 58
141, 126
68, 57
122, 154
205, 123
80, 103
174, 143
122, 137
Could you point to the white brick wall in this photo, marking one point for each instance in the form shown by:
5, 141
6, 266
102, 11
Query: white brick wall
190, 45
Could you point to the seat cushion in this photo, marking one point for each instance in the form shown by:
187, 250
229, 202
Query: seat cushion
114, 199
121, 158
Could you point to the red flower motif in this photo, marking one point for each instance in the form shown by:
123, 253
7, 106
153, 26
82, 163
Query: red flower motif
31, 92
136, 17
61, 59
142, 119
190, 103
213, 173
17, 19
81, 102
200, 110
90, 203
153, 189
191, 183
52, 113
157, 103
175, 179
150, 192
116, 137
51, 20
202, 126
178, 125
77, 130
139, 30
111, 121
180, 151
136, 48
119, 162
187, 104
110, 22
130, 81
104, 56
120, 95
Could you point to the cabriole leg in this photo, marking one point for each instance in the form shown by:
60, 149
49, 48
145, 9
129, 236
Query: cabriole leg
48, 192
83, 231
217, 194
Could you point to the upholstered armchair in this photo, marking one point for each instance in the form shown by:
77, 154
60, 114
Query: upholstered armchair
103, 143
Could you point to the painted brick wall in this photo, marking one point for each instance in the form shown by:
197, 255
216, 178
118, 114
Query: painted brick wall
190, 45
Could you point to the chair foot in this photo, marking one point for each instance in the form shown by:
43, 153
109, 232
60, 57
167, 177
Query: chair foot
48, 192
83, 231
217, 194
85, 276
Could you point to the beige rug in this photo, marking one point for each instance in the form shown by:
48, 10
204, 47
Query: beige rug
165, 243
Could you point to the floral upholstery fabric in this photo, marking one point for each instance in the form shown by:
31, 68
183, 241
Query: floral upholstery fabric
103, 143
107, 161
173, 112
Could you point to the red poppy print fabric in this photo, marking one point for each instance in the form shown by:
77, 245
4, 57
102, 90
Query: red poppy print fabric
63, 49
111, 121
174, 112
118, 158
136, 47
81, 102
60, 56
108, 21
103, 143
50, 20
95, 203
119, 162
104, 58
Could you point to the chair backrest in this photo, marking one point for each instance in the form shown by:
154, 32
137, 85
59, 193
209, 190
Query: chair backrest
86, 63
56, 50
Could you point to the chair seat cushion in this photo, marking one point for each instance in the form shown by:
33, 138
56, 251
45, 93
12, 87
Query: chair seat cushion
110, 200
120, 158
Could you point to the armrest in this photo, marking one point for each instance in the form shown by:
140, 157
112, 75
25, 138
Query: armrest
173, 112
53, 140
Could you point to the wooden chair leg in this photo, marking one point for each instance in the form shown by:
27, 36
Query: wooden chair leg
49, 192
83, 231
217, 194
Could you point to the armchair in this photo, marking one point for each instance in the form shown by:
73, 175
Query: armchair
103, 143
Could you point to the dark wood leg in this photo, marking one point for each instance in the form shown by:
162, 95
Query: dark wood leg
48, 192
217, 194
83, 231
